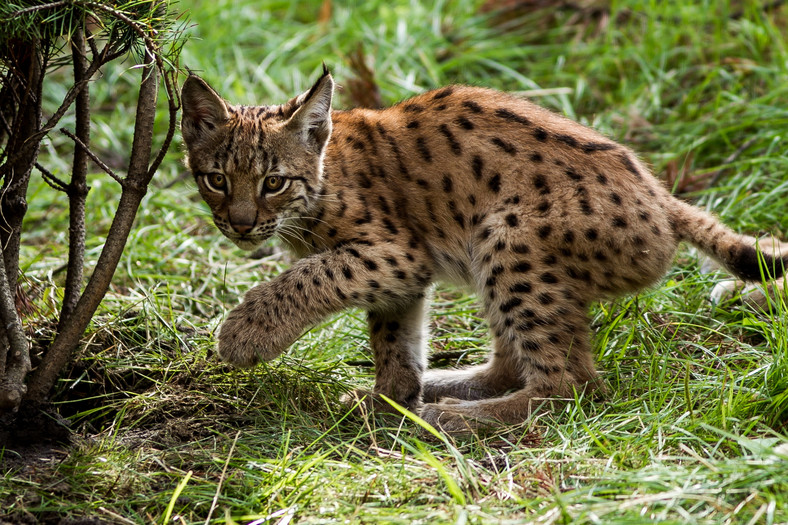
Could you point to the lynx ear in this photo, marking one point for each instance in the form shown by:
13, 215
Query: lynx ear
311, 112
203, 110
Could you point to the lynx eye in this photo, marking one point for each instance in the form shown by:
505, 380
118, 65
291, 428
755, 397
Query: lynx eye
216, 182
273, 183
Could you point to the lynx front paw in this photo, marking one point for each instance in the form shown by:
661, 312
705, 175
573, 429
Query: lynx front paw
245, 341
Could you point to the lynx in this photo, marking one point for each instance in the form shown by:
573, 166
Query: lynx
538, 214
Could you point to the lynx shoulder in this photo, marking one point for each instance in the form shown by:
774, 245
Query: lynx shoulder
539, 214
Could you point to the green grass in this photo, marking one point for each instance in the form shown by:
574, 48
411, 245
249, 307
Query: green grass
693, 427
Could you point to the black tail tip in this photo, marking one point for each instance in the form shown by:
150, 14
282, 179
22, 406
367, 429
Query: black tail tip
750, 264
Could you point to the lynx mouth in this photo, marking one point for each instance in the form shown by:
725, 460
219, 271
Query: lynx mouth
248, 242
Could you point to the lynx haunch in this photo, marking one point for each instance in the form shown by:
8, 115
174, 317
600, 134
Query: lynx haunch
538, 214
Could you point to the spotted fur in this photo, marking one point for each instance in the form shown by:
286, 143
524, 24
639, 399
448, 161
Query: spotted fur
537, 213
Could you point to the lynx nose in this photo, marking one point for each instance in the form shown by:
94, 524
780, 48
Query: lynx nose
242, 228
242, 217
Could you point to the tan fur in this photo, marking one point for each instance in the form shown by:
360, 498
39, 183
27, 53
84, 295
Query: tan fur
537, 213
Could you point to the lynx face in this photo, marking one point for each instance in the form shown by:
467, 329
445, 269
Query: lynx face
256, 167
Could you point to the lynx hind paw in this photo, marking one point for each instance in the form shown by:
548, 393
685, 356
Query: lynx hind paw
365, 403
457, 417
754, 295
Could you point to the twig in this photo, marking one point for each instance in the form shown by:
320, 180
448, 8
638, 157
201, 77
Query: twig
93, 156
35, 8
71, 95
51, 178
221, 479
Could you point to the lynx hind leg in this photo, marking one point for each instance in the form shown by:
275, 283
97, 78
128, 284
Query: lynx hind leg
398, 341
541, 350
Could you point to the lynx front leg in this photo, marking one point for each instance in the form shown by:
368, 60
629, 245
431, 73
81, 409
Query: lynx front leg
274, 314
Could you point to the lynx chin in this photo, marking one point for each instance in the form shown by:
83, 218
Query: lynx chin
538, 214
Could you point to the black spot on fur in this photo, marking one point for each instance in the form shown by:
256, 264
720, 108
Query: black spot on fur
505, 146
567, 139
464, 123
629, 165
521, 287
495, 183
390, 226
453, 143
591, 234
590, 147
521, 249
363, 180
522, 267
511, 220
536, 157
421, 146
573, 174
445, 92
478, 165
509, 305
512, 117
540, 134
473, 106
413, 124
545, 298
540, 183
544, 231
447, 184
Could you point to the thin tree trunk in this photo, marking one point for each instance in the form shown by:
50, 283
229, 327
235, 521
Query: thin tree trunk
13, 204
17, 356
134, 188
77, 188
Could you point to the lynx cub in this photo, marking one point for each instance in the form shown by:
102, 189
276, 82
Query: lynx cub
538, 213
